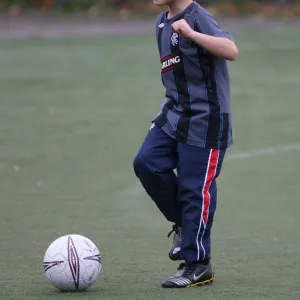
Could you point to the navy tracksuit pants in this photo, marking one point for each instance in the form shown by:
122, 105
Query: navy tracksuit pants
187, 199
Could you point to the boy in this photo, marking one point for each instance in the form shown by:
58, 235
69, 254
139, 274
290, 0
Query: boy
190, 134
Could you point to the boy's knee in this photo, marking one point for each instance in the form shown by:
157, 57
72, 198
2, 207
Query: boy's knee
141, 161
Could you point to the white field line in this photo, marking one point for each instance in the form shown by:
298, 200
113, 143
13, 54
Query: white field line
136, 190
262, 152
280, 46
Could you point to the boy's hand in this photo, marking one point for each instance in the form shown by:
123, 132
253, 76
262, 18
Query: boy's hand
181, 27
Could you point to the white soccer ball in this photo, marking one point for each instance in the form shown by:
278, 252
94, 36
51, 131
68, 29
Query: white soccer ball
72, 263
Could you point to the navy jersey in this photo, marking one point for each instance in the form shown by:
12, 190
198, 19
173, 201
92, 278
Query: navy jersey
196, 110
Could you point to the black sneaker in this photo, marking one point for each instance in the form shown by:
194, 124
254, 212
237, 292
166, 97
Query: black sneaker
175, 248
192, 275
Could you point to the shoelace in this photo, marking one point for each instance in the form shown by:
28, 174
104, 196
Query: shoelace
174, 229
181, 266
188, 270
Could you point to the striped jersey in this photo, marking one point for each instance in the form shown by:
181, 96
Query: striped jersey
196, 110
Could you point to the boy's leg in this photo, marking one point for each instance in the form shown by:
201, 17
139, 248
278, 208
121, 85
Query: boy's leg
154, 165
198, 169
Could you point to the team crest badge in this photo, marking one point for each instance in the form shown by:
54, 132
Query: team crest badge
174, 39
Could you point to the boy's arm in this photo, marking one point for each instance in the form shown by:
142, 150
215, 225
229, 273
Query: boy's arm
217, 42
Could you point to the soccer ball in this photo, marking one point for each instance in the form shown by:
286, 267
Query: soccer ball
72, 263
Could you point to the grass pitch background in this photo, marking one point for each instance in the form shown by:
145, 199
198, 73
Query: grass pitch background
73, 114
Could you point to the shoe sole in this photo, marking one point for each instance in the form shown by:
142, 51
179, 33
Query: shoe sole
206, 282
201, 283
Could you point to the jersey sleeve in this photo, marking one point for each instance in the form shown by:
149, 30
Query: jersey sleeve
208, 24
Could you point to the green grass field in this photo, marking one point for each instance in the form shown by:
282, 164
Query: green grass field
73, 114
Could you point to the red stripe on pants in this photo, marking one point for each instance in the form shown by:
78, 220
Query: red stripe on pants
210, 175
